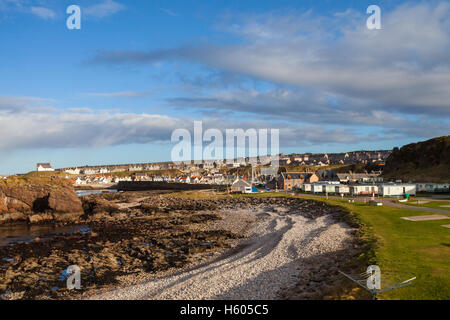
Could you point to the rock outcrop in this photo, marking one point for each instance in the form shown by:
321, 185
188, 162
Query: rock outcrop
426, 161
38, 199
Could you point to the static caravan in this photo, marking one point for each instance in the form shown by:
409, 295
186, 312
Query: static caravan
433, 187
307, 187
442, 187
329, 188
317, 187
342, 189
397, 189
421, 187
427, 187
363, 190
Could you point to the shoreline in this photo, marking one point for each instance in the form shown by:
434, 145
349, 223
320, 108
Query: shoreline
211, 230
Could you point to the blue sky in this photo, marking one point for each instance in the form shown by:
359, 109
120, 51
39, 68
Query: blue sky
114, 91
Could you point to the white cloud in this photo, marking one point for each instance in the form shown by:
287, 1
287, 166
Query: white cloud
119, 94
44, 13
33, 128
169, 12
404, 68
103, 9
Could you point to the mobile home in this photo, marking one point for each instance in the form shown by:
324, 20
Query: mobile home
363, 190
396, 189
342, 189
433, 187
307, 187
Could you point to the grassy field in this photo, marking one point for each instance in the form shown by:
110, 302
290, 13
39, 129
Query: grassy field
431, 204
404, 249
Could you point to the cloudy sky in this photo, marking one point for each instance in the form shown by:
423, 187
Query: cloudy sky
114, 91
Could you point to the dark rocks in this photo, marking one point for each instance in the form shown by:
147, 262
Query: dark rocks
37, 200
95, 204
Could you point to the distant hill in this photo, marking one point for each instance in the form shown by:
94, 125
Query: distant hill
427, 161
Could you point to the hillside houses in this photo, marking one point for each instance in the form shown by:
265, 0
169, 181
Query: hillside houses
373, 157
319, 180
74, 171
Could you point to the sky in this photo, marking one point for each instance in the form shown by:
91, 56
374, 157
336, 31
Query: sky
114, 91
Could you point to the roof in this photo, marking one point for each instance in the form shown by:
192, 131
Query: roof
241, 183
44, 165
356, 176
296, 175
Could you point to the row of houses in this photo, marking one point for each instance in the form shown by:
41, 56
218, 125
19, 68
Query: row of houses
433, 187
322, 181
295, 180
381, 189
217, 179
362, 183
334, 187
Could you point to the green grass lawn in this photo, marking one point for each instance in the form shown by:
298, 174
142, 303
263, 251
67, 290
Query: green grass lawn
430, 195
404, 249
431, 204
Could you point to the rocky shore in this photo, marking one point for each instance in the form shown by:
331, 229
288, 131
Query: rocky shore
139, 235
38, 200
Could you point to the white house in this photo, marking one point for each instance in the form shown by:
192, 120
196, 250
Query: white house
80, 181
396, 189
73, 171
195, 179
104, 180
184, 179
241, 186
44, 167
103, 170
88, 171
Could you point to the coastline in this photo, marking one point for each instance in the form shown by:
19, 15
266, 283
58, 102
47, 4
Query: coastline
213, 231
